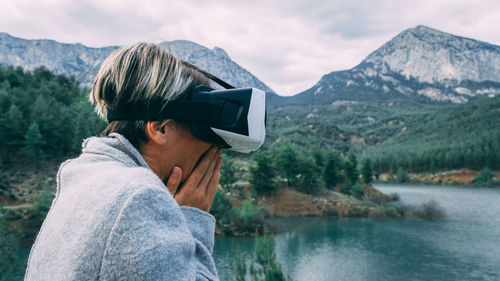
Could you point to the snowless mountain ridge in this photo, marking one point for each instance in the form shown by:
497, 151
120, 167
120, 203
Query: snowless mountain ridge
421, 64
83, 62
434, 56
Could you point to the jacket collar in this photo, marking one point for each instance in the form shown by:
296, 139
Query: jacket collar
115, 146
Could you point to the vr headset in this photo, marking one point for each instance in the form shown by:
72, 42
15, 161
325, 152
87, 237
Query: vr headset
232, 118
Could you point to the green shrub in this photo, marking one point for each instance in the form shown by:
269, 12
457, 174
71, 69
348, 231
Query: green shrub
429, 210
355, 189
249, 211
485, 176
394, 196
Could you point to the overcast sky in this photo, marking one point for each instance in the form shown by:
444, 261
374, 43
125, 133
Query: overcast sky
288, 44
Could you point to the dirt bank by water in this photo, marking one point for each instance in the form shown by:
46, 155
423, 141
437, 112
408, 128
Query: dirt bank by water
291, 203
452, 177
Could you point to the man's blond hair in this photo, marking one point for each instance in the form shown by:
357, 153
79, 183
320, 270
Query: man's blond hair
136, 74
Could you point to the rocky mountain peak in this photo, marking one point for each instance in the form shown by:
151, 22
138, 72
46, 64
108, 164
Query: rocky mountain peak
420, 63
425, 33
430, 55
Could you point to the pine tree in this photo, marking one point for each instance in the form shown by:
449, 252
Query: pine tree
34, 143
403, 175
319, 157
433, 166
331, 170
262, 173
377, 169
367, 170
308, 174
228, 172
286, 162
11, 132
81, 131
351, 169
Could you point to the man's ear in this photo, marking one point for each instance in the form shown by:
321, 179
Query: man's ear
157, 131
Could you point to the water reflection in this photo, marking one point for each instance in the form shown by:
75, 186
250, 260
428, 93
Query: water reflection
463, 247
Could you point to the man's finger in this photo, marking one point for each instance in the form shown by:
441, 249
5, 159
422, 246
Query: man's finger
214, 181
199, 172
210, 171
212, 186
174, 180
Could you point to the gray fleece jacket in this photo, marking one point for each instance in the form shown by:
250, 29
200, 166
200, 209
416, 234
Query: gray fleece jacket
114, 219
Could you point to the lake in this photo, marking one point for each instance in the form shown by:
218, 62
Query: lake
464, 246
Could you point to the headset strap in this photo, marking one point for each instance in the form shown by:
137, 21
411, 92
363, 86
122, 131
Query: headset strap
177, 110
157, 110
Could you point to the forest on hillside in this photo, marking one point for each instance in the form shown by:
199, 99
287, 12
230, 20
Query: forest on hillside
42, 115
396, 134
46, 116
457, 136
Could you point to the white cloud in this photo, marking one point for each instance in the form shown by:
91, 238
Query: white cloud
287, 44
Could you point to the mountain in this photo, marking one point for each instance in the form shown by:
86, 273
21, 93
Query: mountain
69, 59
83, 62
215, 61
420, 64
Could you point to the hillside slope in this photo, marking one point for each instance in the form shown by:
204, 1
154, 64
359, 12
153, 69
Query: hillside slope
453, 137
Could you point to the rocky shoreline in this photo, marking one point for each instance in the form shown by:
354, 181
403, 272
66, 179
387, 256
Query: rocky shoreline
460, 177
288, 202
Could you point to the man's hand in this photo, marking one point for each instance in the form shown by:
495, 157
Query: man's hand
200, 187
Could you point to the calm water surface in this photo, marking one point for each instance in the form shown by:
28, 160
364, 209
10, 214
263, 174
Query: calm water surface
465, 246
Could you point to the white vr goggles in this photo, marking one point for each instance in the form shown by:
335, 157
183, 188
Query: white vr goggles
234, 118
